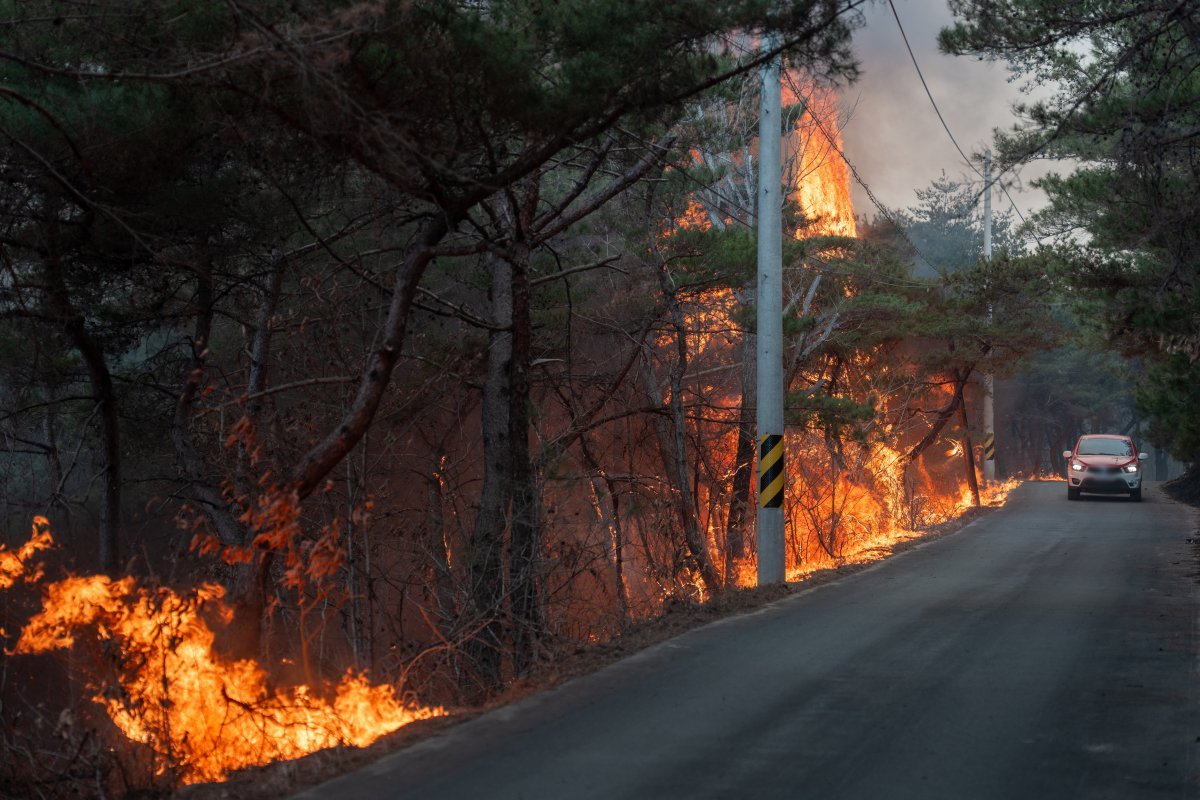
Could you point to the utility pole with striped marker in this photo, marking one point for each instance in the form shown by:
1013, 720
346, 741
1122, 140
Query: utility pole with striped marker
772, 476
989, 385
989, 447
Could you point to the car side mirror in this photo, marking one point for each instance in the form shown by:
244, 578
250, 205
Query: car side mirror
1143, 456
1067, 453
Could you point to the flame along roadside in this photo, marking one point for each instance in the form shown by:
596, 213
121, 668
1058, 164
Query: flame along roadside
201, 716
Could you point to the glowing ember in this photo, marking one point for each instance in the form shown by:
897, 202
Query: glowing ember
200, 714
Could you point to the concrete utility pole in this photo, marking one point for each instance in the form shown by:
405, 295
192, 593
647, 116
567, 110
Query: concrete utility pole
771, 474
989, 408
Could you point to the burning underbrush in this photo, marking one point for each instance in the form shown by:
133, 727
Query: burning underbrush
878, 444
885, 533
861, 506
148, 656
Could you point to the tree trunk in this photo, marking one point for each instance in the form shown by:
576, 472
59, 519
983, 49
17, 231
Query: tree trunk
604, 489
320, 460
54, 462
944, 414
524, 556
100, 379
448, 608
968, 448
260, 348
1034, 443
671, 445
228, 530
486, 554
740, 495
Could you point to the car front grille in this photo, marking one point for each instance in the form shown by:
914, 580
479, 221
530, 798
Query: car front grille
1104, 470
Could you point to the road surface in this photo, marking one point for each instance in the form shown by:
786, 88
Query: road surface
1048, 650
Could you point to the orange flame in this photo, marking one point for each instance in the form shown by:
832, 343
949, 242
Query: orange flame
200, 714
815, 174
820, 177
15, 566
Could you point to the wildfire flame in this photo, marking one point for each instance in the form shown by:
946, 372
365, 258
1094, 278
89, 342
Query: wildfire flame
821, 179
200, 714
15, 566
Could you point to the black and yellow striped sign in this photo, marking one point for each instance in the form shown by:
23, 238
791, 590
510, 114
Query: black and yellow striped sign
989, 447
770, 471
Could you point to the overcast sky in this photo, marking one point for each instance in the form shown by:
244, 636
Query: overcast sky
893, 137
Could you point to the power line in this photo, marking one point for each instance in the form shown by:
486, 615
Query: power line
942, 119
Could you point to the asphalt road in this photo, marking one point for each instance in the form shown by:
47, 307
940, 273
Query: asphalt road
1048, 650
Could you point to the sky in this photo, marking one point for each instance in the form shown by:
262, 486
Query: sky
893, 137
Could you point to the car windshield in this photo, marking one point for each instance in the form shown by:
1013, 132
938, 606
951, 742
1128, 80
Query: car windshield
1104, 447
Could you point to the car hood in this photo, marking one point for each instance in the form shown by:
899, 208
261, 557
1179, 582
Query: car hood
1106, 461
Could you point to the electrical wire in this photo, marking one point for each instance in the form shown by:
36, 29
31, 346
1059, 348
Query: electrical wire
941, 119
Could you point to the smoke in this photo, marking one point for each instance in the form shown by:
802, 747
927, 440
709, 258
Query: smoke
893, 136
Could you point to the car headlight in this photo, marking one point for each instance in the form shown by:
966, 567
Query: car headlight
1131, 467
1077, 466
